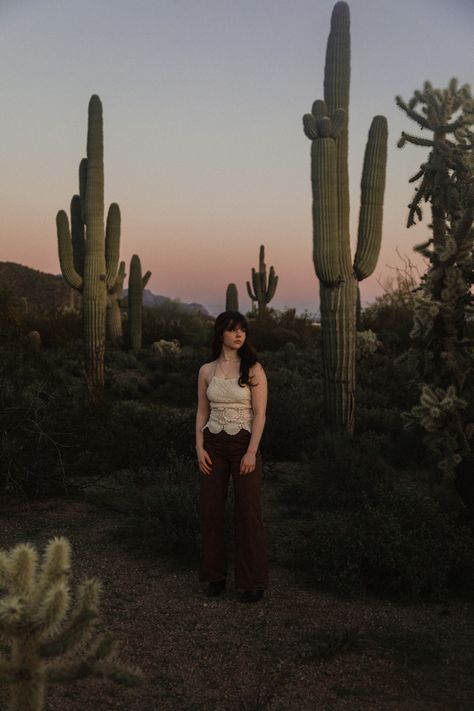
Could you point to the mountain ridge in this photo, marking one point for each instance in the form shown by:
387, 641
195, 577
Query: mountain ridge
32, 288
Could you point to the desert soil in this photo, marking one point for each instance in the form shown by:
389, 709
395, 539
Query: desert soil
298, 648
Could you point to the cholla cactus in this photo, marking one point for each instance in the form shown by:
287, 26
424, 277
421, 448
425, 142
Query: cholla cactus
164, 347
441, 345
367, 343
34, 623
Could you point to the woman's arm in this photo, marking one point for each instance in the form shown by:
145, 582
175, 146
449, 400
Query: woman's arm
259, 406
202, 416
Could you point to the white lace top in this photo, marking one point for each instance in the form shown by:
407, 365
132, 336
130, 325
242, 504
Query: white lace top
231, 406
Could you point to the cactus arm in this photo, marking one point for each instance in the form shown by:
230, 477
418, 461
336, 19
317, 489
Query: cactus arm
146, 279
250, 292
65, 252
272, 284
326, 245
418, 118
262, 270
257, 285
83, 184
77, 235
417, 140
135, 303
371, 205
112, 243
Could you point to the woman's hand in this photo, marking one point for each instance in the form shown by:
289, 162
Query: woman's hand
204, 461
247, 463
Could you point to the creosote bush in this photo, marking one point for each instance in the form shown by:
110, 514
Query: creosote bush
162, 510
368, 530
41, 636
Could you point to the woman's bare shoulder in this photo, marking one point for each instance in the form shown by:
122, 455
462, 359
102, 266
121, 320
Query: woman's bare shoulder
256, 370
207, 369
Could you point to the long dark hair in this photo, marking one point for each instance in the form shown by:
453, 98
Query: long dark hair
226, 321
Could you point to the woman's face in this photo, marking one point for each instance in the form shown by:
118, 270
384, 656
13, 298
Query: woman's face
234, 337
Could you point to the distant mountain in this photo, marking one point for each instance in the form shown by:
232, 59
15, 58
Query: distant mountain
36, 290
44, 291
153, 300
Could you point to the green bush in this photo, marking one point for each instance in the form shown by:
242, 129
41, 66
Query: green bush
164, 516
171, 321
294, 413
402, 546
276, 328
369, 530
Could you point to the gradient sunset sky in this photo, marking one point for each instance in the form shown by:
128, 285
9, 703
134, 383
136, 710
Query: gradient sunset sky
204, 147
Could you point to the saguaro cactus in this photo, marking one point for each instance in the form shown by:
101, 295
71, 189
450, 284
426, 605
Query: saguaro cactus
327, 127
232, 298
40, 638
263, 291
136, 284
88, 256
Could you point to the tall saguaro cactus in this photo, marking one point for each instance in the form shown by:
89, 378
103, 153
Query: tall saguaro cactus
263, 291
327, 128
136, 284
88, 255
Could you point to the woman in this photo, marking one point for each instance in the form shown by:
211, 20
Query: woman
232, 400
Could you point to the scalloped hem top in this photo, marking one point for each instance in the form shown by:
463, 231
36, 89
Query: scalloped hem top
231, 406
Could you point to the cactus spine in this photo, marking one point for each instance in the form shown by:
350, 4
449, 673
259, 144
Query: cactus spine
232, 298
327, 128
263, 291
89, 257
136, 284
33, 620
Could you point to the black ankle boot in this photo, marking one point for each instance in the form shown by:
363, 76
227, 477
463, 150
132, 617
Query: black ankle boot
251, 595
215, 588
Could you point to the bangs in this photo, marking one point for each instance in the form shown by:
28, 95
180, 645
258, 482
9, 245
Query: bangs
233, 323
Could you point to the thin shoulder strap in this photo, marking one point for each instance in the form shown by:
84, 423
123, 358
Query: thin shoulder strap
215, 370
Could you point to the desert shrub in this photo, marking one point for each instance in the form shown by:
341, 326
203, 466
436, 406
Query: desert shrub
37, 445
173, 376
163, 516
139, 434
294, 413
390, 315
58, 329
402, 546
171, 320
273, 330
342, 472
370, 530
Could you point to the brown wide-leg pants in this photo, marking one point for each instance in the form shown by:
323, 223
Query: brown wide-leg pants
251, 565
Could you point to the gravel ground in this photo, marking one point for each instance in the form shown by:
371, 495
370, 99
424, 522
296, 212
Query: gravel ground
296, 649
